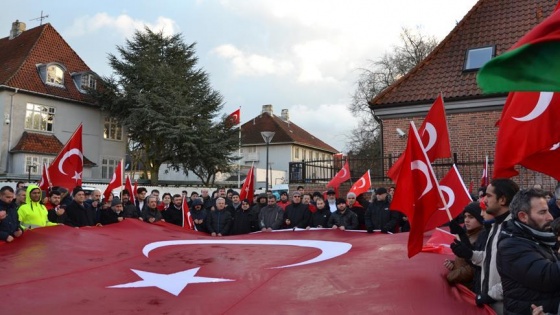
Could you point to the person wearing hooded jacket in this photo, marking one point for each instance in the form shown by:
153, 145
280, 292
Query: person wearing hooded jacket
33, 214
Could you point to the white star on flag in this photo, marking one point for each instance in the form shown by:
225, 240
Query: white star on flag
173, 283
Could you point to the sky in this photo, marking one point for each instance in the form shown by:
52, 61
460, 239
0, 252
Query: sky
300, 55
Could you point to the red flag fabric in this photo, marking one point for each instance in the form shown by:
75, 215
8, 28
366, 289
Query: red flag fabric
45, 182
529, 134
116, 181
434, 134
340, 177
234, 118
66, 169
132, 192
484, 178
188, 222
439, 242
457, 197
133, 199
162, 268
362, 185
417, 193
248, 188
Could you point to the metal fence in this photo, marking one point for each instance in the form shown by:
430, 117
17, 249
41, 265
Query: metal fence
470, 168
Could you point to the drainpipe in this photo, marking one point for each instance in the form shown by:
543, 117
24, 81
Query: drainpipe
380, 122
10, 131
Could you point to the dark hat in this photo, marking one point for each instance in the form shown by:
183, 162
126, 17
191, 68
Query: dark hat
284, 193
265, 196
340, 200
475, 210
317, 194
381, 190
76, 190
331, 192
197, 202
116, 201
296, 193
194, 193
235, 193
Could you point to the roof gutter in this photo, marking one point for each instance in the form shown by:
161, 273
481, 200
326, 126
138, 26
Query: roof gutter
6, 87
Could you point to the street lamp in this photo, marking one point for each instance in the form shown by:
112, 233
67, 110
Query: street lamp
29, 167
267, 136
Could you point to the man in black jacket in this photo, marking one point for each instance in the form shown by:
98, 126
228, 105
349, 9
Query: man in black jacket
219, 220
527, 257
9, 223
378, 216
297, 214
79, 213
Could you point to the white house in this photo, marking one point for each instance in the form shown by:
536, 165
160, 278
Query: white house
43, 99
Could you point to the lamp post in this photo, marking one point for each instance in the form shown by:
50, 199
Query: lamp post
29, 167
267, 136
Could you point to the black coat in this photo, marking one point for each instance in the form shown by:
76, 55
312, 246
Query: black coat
298, 214
10, 224
173, 215
219, 222
80, 215
244, 222
320, 217
108, 216
348, 219
379, 217
529, 269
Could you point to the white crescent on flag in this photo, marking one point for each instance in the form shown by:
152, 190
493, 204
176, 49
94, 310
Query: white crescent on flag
66, 156
432, 135
542, 104
421, 166
363, 183
450, 194
343, 174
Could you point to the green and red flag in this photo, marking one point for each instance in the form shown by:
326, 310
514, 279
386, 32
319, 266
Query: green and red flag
532, 64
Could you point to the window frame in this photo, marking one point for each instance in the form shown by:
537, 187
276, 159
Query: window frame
48, 74
51, 111
113, 124
36, 160
468, 57
108, 166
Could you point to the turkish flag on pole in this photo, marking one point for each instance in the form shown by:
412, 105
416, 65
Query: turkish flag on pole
128, 187
66, 169
188, 222
458, 197
434, 134
484, 178
45, 182
248, 188
529, 134
340, 177
362, 185
417, 193
234, 118
116, 181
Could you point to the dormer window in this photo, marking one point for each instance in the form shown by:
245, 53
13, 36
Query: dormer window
85, 81
477, 57
52, 74
55, 75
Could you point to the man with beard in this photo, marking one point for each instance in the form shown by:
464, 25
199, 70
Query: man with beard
9, 223
320, 217
342, 218
284, 202
199, 215
297, 214
527, 258
150, 213
174, 213
79, 212
235, 203
499, 194
129, 209
114, 214
55, 209
270, 217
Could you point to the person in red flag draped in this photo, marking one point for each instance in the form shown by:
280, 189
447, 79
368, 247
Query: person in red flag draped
499, 194
343, 218
460, 270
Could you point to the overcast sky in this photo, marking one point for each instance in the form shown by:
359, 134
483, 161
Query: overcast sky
300, 55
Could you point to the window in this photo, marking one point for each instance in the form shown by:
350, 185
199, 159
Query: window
296, 154
112, 129
55, 75
34, 164
304, 152
39, 117
477, 57
88, 82
108, 167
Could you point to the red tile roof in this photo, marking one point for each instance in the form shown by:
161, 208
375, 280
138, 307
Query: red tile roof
285, 132
20, 56
489, 22
38, 143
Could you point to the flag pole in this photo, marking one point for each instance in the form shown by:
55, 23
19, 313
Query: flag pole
239, 154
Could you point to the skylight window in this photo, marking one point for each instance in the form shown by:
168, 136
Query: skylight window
477, 57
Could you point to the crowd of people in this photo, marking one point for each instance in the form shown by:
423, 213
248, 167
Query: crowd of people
506, 249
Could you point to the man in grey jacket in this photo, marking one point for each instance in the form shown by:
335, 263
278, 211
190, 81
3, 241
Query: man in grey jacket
271, 216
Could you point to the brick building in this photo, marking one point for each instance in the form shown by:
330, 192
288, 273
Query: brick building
489, 29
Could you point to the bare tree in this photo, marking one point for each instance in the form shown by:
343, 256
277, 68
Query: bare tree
378, 75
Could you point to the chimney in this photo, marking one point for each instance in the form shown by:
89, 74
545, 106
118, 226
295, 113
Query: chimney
17, 28
285, 115
267, 109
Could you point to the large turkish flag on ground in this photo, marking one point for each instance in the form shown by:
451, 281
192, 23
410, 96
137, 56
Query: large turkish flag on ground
66, 169
141, 268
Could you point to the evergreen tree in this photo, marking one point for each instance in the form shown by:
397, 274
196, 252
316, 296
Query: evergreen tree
167, 104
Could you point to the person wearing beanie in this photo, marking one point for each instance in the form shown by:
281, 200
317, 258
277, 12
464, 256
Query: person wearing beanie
342, 218
79, 212
460, 270
378, 216
114, 214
